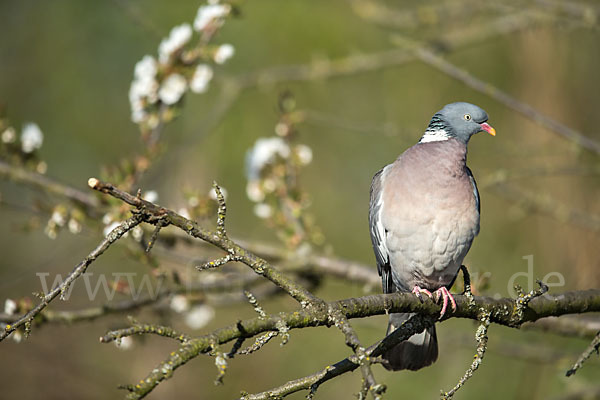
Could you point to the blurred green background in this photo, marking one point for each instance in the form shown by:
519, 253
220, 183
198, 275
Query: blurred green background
67, 65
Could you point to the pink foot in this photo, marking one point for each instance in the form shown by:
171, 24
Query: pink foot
417, 292
445, 295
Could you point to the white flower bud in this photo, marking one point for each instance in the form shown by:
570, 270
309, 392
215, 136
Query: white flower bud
263, 210
201, 78
31, 137
9, 135
304, 154
254, 191
179, 304
199, 316
10, 306
209, 13
124, 343
151, 196
224, 53
172, 89
178, 38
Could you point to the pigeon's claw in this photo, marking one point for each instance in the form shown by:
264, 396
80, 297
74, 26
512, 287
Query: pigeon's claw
417, 292
446, 296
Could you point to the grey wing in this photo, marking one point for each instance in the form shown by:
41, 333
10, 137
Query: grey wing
475, 191
378, 233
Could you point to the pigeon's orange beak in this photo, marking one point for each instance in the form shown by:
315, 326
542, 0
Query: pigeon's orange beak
486, 127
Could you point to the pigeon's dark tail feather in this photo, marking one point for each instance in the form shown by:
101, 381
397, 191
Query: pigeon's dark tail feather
415, 353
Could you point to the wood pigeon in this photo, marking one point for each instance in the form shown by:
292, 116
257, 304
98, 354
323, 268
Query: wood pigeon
424, 215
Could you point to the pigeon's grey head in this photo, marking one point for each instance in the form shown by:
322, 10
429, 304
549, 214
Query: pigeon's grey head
457, 120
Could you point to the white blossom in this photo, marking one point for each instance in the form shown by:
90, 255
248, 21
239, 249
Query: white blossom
41, 167
201, 78
124, 343
263, 210
224, 53
172, 89
213, 194
193, 201
50, 230
17, 336
74, 226
304, 154
107, 219
146, 68
199, 316
151, 196
9, 135
31, 137
264, 152
137, 233
179, 303
282, 129
144, 88
138, 115
209, 13
254, 191
58, 218
178, 38
10, 307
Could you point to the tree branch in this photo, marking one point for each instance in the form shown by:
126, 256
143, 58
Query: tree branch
79, 270
502, 311
150, 212
22, 176
593, 347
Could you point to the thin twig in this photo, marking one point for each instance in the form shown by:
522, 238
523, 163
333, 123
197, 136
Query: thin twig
482, 340
430, 58
259, 342
48, 185
159, 225
570, 325
79, 270
369, 384
252, 300
140, 329
153, 212
593, 347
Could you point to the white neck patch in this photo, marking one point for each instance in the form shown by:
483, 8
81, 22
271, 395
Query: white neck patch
434, 136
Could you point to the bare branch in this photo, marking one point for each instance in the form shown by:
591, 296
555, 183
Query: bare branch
152, 212
252, 300
593, 347
482, 340
369, 383
546, 205
430, 58
159, 225
259, 342
79, 270
48, 185
501, 312
140, 329
576, 325
221, 211
219, 262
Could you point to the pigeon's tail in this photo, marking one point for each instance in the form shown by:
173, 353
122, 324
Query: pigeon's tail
418, 351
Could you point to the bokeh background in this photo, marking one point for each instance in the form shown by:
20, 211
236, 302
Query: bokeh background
68, 64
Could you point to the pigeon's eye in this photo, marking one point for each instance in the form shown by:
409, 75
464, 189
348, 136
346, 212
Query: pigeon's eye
467, 117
